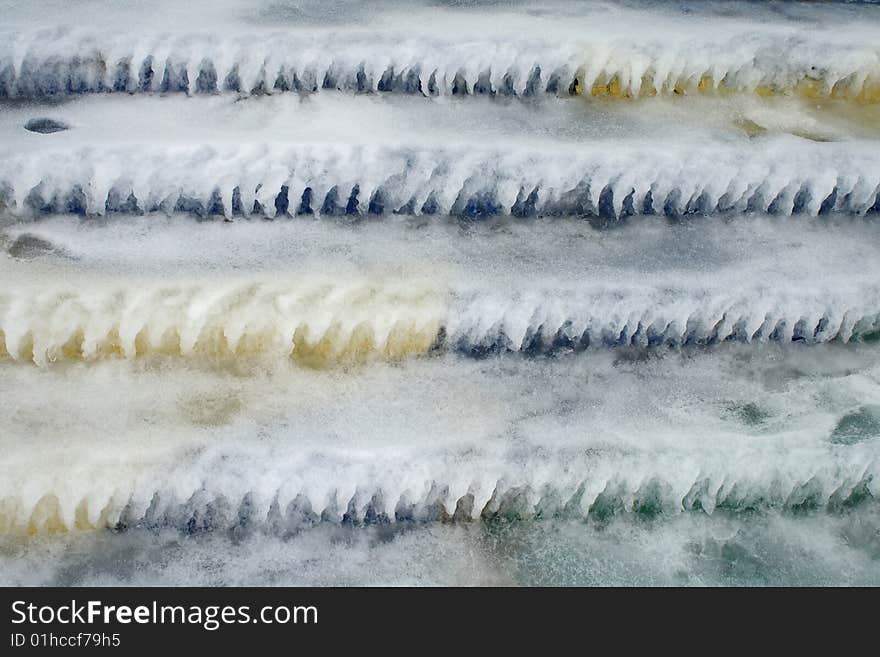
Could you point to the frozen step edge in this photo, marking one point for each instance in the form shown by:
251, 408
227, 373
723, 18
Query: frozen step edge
784, 176
282, 502
59, 62
311, 323
657, 316
330, 324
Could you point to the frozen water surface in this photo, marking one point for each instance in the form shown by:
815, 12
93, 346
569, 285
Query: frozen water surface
504, 293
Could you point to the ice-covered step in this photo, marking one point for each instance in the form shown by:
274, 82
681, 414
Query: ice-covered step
202, 449
401, 121
393, 121
526, 50
321, 294
204, 509
323, 324
810, 256
482, 69
553, 323
783, 175
312, 322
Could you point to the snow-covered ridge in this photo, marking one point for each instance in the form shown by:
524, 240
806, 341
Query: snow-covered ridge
780, 176
323, 324
312, 323
55, 62
846, 478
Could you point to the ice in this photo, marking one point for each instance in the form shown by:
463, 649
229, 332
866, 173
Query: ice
358, 446
202, 439
439, 292
783, 175
605, 49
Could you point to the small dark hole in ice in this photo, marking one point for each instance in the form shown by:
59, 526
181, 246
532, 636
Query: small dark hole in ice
45, 126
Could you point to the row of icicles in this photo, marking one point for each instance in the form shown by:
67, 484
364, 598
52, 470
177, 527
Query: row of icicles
205, 513
57, 77
363, 342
